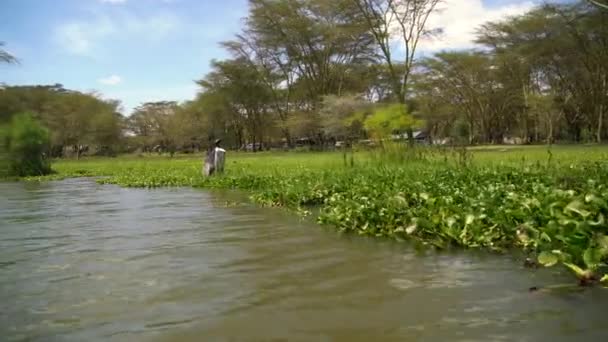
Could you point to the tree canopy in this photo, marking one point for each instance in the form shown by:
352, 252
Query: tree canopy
75, 120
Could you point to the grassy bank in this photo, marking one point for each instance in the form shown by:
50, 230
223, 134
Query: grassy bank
551, 204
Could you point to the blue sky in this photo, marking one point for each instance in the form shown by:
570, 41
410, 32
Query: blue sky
149, 50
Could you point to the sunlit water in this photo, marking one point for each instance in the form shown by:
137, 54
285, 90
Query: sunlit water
83, 262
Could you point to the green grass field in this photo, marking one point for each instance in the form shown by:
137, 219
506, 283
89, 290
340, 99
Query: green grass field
550, 203
279, 161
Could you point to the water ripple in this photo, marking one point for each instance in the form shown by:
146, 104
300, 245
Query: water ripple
80, 261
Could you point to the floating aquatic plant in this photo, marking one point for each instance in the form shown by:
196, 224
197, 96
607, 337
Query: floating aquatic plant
555, 211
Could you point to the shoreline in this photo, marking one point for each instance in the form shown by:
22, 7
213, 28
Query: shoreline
555, 212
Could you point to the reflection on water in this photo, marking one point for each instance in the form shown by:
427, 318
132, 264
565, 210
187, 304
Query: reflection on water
81, 262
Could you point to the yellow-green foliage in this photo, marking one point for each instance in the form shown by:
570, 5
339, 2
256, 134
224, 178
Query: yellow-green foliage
386, 119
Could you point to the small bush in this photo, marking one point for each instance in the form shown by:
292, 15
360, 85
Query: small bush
4, 164
25, 141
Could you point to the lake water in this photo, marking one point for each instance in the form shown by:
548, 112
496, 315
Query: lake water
85, 262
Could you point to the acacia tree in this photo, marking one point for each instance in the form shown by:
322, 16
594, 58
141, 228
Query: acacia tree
151, 122
437, 113
561, 50
587, 30
243, 95
475, 84
320, 39
303, 51
190, 125
342, 117
77, 120
74, 119
275, 72
402, 20
316, 48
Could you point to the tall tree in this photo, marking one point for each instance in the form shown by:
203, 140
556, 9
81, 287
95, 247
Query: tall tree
402, 20
563, 49
321, 40
244, 91
151, 122
74, 119
471, 82
78, 120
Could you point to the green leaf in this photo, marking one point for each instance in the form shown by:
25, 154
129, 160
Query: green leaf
602, 242
400, 199
580, 273
604, 279
600, 221
545, 236
576, 206
547, 259
590, 198
592, 257
469, 219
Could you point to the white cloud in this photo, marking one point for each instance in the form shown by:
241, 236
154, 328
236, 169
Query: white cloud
155, 26
83, 37
460, 18
77, 37
73, 38
110, 80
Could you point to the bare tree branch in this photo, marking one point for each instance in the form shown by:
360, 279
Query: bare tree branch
7, 57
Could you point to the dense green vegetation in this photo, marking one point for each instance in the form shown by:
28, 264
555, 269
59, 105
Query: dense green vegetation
24, 142
77, 122
551, 204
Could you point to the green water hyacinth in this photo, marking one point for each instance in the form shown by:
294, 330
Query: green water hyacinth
555, 212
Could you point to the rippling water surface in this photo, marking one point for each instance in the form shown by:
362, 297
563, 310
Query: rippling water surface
84, 262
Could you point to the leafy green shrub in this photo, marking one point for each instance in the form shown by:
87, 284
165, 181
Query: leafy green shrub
4, 164
25, 141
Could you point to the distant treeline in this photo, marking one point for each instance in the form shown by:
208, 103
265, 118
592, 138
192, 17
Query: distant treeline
324, 71
77, 122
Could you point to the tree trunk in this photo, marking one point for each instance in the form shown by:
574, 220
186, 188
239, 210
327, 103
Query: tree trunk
471, 132
287, 137
550, 135
239, 137
599, 123
410, 137
536, 122
600, 120
525, 129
